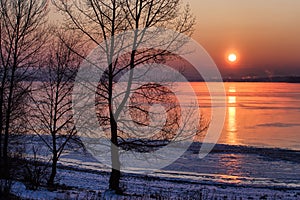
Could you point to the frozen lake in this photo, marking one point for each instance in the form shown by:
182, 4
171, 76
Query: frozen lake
258, 114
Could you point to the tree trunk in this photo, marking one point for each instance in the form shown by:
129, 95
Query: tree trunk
114, 181
7, 123
1, 109
53, 172
1, 122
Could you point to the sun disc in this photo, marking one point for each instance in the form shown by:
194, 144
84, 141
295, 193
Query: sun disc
232, 57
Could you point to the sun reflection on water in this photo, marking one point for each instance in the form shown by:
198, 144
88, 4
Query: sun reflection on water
231, 100
231, 118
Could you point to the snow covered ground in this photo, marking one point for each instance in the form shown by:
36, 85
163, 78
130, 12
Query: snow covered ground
229, 172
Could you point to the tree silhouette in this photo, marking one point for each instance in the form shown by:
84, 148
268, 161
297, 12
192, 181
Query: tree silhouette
22, 36
101, 21
52, 112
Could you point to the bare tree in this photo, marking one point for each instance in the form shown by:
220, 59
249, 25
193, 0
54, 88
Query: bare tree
52, 114
103, 20
22, 35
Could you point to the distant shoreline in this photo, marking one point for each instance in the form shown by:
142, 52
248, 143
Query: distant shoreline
279, 79
255, 79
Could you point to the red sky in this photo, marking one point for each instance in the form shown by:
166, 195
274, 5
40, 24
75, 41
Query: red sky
265, 34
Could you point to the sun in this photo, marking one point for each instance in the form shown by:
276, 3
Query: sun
232, 57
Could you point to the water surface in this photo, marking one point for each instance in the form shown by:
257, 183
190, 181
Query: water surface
258, 114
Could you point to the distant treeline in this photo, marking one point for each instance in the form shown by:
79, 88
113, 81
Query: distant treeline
283, 79
280, 79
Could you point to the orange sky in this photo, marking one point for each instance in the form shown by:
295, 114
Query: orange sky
266, 34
